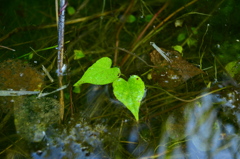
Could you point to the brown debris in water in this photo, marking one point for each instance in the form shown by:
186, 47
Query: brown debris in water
171, 74
17, 75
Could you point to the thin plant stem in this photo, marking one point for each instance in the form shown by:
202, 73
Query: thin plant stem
56, 11
174, 13
120, 29
151, 21
74, 21
143, 32
156, 30
203, 22
133, 54
5, 47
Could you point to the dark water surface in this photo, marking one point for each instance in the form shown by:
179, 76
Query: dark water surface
191, 108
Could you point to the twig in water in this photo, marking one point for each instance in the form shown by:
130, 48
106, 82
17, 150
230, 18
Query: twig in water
130, 6
60, 65
47, 73
5, 47
17, 93
45, 94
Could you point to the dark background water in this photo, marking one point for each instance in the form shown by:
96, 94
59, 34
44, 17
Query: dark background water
211, 31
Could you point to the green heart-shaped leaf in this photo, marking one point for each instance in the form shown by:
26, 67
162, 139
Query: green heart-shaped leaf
100, 73
130, 93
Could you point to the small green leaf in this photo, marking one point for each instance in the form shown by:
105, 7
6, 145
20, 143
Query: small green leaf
181, 37
191, 42
194, 30
30, 56
131, 18
233, 68
78, 54
130, 93
148, 18
178, 48
70, 10
100, 73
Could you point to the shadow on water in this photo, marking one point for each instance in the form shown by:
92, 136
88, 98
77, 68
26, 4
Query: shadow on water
191, 106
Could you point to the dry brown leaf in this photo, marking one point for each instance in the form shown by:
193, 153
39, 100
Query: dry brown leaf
171, 74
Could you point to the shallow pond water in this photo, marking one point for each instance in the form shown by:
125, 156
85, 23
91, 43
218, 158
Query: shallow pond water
191, 106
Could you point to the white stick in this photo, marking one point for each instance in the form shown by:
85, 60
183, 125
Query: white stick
44, 94
17, 93
160, 51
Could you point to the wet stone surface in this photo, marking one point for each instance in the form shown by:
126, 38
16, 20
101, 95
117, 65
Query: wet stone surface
36, 120
33, 115
77, 140
17, 75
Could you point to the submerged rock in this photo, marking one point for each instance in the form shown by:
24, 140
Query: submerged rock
17, 75
35, 119
78, 140
33, 115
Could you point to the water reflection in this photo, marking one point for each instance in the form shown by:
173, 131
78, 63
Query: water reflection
203, 130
